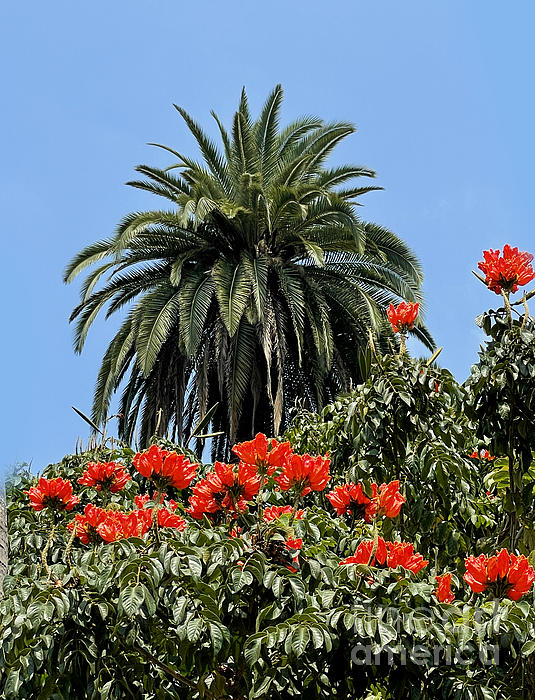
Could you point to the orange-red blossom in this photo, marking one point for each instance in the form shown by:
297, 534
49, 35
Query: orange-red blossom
508, 271
228, 487
387, 554
266, 455
402, 316
384, 500
165, 468
275, 512
504, 574
105, 475
55, 494
304, 473
443, 590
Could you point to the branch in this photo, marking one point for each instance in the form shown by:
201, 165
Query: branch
164, 667
524, 298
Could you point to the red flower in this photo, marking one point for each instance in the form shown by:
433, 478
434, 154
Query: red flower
109, 525
402, 316
305, 473
275, 512
403, 554
166, 518
142, 498
389, 554
509, 271
52, 493
350, 498
294, 543
87, 524
228, 487
118, 526
363, 553
443, 591
266, 455
503, 574
389, 500
165, 468
482, 454
105, 475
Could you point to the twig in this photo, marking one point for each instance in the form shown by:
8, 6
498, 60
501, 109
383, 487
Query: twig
164, 667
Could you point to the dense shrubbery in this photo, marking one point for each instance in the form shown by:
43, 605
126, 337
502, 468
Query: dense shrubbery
288, 575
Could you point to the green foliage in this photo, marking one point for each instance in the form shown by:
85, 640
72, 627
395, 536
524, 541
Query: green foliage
411, 422
201, 614
228, 611
504, 378
258, 286
502, 387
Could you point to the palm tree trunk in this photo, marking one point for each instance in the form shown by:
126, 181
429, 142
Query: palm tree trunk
3, 535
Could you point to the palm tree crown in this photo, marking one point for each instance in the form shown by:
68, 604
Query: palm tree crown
257, 286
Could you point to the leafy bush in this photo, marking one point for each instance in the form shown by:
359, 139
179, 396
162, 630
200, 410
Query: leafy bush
287, 575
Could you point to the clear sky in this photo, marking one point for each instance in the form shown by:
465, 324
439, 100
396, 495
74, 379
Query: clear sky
441, 92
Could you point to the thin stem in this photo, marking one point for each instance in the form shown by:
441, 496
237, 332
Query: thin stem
69, 546
402, 344
507, 305
155, 510
259, 500
526, 311
167, 669
44, 553
294, 508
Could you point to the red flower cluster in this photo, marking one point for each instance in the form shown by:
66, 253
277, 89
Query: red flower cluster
402, 316
165, 468
166, 516
509, 271
482, 454
388, 554
389, 500
227, 488
275, 512
304, 473
266, 455
105, 475
293, 544
52, 493
350, 498
503, 574
108, 525
443, 591
98, 524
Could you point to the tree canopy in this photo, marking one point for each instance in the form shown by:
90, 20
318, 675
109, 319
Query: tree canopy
257, 286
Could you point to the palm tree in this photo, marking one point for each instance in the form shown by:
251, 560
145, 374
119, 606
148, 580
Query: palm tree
257, 286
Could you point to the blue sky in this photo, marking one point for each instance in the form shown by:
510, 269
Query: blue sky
441, 94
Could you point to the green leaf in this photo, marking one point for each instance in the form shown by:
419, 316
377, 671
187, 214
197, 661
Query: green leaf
130, 600
240, 579
194, 629
252, 651
300, 638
